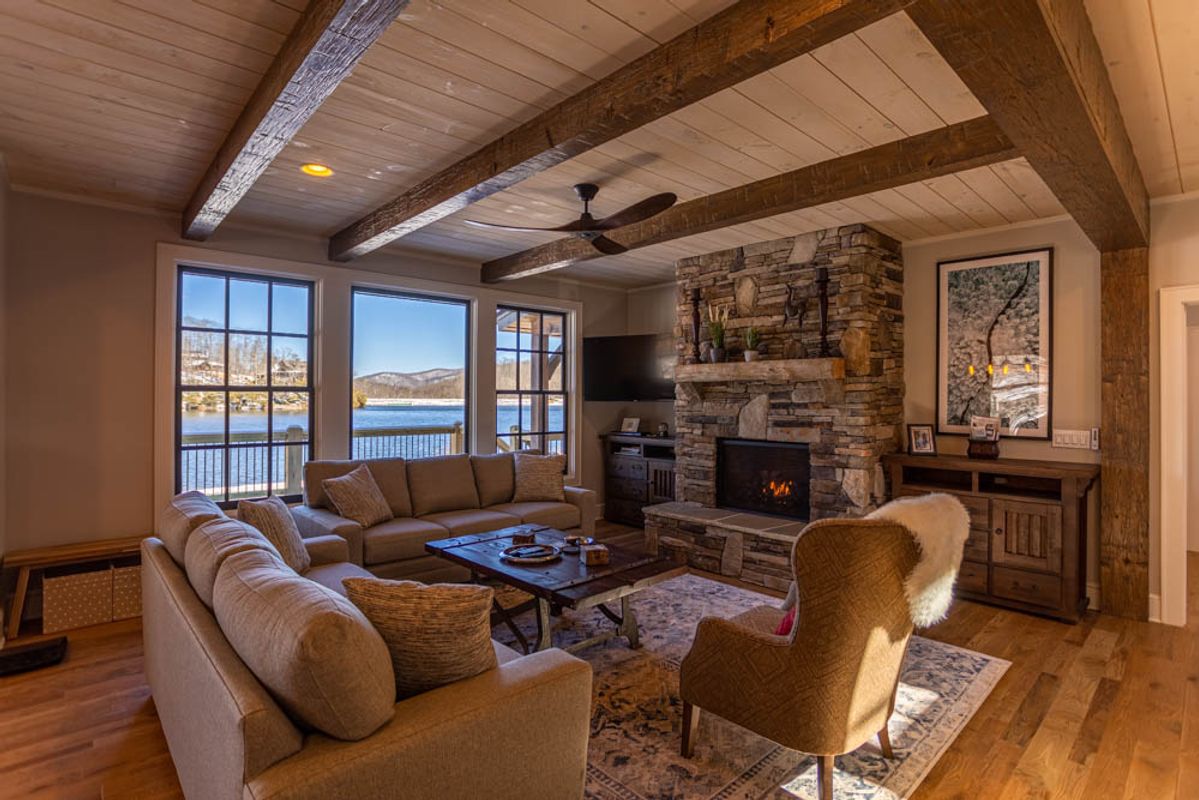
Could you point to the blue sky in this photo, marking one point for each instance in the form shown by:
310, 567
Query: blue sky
204, 300
399, 334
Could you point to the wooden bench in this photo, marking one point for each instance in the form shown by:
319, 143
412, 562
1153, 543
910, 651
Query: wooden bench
26, 561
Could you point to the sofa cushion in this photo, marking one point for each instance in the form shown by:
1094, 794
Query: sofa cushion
444, 483
495, 478
209, 546
331, 575
562, 516
436, 634
399, 539
272, 519
391, 476
312, 648
316, 473
184, 514
539, 478
356, 497
474, 520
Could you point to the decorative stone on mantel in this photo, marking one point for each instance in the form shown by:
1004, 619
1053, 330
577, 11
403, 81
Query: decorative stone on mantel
848, 408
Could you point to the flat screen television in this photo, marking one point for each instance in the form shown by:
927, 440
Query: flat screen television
628, 368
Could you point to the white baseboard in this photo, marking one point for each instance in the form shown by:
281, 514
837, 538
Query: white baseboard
1155, 607
1093, 596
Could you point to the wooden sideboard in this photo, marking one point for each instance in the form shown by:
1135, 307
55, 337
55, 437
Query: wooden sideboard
638, 472
1028, 526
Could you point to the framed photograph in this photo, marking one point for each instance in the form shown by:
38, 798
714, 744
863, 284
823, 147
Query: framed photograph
921, 440
994, 343
630, 424
984, 429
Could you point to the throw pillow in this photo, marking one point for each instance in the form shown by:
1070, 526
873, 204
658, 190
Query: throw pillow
437, 634
356, 496
786, 623
539, 478
273, 520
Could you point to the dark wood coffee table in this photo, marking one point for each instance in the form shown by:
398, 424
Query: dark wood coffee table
565, 583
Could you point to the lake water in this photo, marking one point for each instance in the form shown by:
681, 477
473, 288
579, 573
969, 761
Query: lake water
195, 422
251, 467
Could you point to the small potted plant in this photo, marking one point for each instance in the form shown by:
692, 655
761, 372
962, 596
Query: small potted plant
717, 317
752, 340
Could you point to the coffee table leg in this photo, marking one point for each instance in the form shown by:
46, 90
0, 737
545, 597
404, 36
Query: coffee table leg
628, 623
544, 640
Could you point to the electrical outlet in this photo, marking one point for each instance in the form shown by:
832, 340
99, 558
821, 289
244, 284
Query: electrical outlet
1075, 440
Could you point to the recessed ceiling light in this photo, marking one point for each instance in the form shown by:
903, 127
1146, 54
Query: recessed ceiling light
316, 170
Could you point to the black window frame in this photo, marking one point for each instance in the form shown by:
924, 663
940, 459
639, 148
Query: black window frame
469, 343
269, 389
540, 394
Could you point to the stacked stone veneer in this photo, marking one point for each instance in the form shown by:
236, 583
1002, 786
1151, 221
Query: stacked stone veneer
848, 424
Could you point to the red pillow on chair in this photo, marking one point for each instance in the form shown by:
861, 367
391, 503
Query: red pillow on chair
787, 623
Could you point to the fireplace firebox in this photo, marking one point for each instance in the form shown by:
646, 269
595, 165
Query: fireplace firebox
763, 477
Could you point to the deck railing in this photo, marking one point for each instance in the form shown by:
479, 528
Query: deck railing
411, 442
253, 468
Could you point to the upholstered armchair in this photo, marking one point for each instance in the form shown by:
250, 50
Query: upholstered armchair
830, 685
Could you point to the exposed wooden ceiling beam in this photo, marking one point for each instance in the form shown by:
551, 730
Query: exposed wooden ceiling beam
323, 47
970, 144
744, 40
1037, 69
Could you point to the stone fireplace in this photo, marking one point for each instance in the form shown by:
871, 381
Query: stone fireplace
843, 410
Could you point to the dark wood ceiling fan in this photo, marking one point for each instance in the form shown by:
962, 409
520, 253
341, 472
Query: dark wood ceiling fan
590, 229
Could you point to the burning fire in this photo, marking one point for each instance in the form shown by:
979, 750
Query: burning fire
778, 490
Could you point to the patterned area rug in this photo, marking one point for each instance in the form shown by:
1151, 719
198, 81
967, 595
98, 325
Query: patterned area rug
634, 750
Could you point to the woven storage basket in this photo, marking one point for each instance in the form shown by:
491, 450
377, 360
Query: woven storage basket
76, 600
126, 592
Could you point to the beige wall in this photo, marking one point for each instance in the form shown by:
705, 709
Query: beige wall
1193, 429
1173, 261
4, 208
80, 306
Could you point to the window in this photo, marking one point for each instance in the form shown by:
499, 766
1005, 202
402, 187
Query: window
409, 394
530, 380
243, 384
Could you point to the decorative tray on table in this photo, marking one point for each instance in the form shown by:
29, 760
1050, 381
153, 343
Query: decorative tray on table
531, 553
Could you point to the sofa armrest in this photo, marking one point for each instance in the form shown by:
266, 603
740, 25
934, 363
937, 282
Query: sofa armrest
585, 500
468, 739
314, 522
328, 549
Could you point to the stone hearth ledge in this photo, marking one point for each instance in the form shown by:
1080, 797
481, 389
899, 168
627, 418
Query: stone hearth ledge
751, 547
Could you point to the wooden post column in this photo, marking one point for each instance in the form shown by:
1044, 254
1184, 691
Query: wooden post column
1124, 455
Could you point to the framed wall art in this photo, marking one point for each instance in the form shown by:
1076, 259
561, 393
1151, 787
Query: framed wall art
994, 342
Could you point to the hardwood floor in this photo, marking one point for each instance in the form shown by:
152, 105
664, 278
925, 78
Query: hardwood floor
1104, 709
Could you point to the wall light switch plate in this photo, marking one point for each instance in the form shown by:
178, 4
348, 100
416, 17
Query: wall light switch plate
1094, 438
1074, 440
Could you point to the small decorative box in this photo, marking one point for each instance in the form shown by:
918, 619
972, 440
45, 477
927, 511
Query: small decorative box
525, 537
593, 554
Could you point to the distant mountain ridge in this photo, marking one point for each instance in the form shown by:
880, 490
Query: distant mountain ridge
438, 382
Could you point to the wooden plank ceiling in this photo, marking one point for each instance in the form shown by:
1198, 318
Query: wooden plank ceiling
128, 101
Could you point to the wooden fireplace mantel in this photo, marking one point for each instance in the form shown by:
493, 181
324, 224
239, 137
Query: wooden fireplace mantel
790, 370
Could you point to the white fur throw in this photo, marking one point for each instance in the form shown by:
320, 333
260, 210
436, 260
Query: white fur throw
940, 525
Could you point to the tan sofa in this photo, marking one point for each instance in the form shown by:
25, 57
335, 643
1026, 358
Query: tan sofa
230, 738
433, 498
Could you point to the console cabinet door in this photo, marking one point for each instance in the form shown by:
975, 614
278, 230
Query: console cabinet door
1027, 535
661, 481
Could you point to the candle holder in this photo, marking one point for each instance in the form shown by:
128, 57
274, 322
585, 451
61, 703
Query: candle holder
696, 294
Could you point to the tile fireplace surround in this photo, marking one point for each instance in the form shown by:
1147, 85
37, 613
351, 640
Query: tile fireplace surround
848, 407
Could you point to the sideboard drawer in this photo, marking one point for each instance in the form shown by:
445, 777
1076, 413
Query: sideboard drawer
972, 577
627, 467
627, 489
1026, 587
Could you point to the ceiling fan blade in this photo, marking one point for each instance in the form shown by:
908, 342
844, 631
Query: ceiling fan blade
570, 227
637, 212
607, 246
